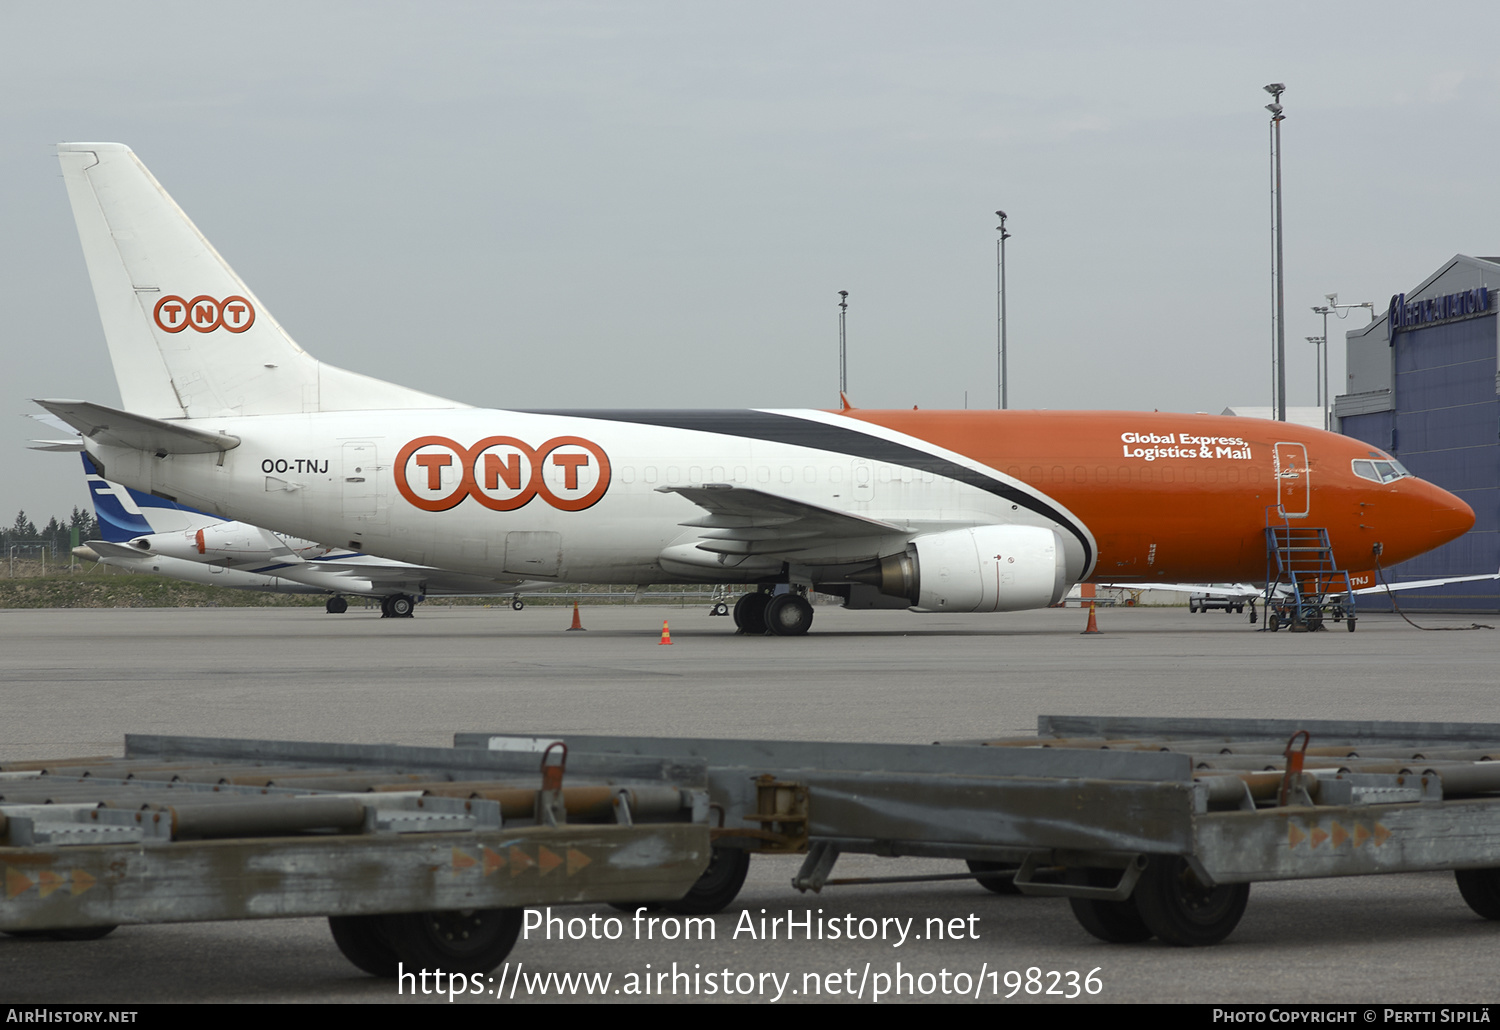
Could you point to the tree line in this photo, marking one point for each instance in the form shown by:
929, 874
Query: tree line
56, 536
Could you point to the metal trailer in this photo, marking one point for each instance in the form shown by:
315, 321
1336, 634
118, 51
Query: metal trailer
1150, 827
418, 855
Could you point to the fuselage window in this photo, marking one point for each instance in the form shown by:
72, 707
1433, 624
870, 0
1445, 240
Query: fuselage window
809, 474
762, 474
650, 473
673, 474
627, 474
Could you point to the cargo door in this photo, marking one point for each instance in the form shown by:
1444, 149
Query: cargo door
359, 480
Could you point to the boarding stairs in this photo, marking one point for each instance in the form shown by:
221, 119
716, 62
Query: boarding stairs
1304, 585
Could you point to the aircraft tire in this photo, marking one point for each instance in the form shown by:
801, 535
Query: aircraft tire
788, 615
717, 887
750, 613
402, 606
517, 604
336, 606
1350, 623
363, 941
470, 941
1179, 910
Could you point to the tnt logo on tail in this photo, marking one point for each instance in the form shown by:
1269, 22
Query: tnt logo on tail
203, 314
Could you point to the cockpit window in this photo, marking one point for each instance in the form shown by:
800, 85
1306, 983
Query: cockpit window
1383, 471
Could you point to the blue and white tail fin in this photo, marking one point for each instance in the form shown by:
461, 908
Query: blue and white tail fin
187, 337
125, 514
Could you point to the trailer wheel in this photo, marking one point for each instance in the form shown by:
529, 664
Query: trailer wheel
1481, 889
1118, 922
363, 941
717, 887
1182, 911
1005, 883
473, 940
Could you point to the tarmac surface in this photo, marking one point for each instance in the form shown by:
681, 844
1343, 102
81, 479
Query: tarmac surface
73, 682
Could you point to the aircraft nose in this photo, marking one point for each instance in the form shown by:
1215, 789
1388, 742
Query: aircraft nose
1448, 516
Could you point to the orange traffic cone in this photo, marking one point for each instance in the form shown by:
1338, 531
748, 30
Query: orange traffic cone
666, 634
576, 623
1093, 623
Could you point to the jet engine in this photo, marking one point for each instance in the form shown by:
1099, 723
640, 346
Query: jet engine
225, 543
983, 569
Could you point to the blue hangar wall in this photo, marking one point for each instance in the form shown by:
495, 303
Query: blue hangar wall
1423, 385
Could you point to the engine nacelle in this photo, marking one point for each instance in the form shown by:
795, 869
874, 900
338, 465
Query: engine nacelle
226, 543
983, 569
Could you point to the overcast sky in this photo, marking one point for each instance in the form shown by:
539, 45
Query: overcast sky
654, 204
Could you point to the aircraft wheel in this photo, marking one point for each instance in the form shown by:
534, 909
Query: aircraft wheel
470, 941
789, 615
336, 606
363, 941
750, 613
1350, 623
385, 607
517, 604
1002, 882
717, 887
402, 606
1481, 889
1180, 910
720, 609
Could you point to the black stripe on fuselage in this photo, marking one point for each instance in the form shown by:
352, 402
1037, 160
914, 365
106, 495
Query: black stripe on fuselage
801, 432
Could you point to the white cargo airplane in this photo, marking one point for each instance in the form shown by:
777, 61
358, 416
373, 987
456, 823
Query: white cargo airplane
939, 511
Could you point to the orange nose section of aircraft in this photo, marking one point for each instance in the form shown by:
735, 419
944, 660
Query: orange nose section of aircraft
1418, 518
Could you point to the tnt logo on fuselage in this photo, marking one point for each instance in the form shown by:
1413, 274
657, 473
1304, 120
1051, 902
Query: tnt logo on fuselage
203, 314
502, 473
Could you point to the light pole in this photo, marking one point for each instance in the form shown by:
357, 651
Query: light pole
843, 349
1333, 307
1276, 89
1319, 377
1000, 304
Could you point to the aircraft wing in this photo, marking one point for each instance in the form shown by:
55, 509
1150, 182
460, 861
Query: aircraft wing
745, 521
1422, 584
384, 576
1235, 590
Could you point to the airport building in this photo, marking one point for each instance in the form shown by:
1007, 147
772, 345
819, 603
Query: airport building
1423, 385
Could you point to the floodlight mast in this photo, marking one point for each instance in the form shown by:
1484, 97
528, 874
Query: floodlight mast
1279, 271
1000, 304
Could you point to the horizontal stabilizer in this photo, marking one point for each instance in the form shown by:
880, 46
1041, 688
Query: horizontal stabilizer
105, 549
137, 432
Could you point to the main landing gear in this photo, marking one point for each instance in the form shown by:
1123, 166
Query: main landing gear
780, 615
336, 605
397, 606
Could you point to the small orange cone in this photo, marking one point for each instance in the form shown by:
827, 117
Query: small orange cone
666, 634
576, 623
1093, 623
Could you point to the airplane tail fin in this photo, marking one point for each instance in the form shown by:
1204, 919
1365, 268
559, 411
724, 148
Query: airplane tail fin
124, 514
187, 337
